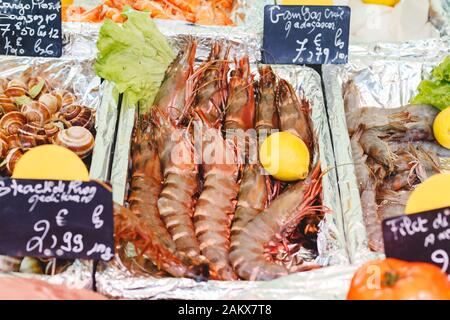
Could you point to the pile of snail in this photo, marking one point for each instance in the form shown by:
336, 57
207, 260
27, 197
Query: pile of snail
32, 113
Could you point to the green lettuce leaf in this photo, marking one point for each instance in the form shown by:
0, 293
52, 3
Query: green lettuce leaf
134, 55
436, 92
442, 71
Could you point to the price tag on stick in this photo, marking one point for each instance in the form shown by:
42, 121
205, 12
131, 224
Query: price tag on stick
62, 219
306, 34
421, 237
30, 28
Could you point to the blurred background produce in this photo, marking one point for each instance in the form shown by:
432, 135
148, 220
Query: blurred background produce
204, 12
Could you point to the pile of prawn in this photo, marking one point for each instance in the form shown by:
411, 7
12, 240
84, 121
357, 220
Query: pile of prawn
393, 151
223, 219
203, 12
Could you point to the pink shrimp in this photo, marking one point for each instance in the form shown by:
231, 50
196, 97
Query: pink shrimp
284, 213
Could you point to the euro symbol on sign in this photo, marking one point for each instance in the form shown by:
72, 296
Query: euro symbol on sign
60, 221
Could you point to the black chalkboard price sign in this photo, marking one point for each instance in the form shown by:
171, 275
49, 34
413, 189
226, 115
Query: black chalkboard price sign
306, 34
423, 237
62, 219
30, 28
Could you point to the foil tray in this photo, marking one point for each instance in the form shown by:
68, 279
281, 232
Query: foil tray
115, 281
386, 77
74, 71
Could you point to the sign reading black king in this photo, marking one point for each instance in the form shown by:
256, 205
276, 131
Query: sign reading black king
30, 28
306, 34
421, 237
62, 219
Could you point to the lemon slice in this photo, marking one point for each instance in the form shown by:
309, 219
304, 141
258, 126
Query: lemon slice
285, 156
390, 3
432, 194
50, 162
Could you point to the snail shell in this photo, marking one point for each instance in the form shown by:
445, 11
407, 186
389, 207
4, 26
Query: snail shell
31, 265
52, 101
67, 97
38, 86
16, 88
3, 85
12, 158
14, 141
32, 135
3, 146
51, 130
17, 83
7, 104
36, 111
78, 115
78, 139
12, 122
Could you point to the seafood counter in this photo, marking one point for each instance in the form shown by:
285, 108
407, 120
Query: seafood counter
389, 143
257, 227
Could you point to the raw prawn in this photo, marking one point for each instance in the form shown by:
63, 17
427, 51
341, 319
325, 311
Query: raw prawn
211, 86
176, 201
240, 110
284, 213
216, 204
174, 92
294, 115
129, 228
267, 115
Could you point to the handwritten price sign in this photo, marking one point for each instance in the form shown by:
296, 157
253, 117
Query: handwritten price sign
421, 237
30, 28
64, 219
306, 34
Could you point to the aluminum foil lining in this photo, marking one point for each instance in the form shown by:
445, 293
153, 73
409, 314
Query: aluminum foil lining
386, 78
117, 282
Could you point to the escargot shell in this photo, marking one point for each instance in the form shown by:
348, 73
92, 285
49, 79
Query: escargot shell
7, 104
12, 158
12, 122
16, 88
78, 139
31, 265
52, 129
37, 86
67, 97
36, 111
32, 135
53, 102
3, 146
3, 85
78, 115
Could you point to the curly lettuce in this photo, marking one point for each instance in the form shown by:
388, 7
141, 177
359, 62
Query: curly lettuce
436, 92
134, 55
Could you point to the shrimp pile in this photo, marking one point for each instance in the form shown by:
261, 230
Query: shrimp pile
393, 151
204, 12
199, 205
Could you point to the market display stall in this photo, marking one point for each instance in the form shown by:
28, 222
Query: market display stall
234, 177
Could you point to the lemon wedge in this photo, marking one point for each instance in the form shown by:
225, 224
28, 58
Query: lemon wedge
285, 156
390, 3
432, 194
441, 128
